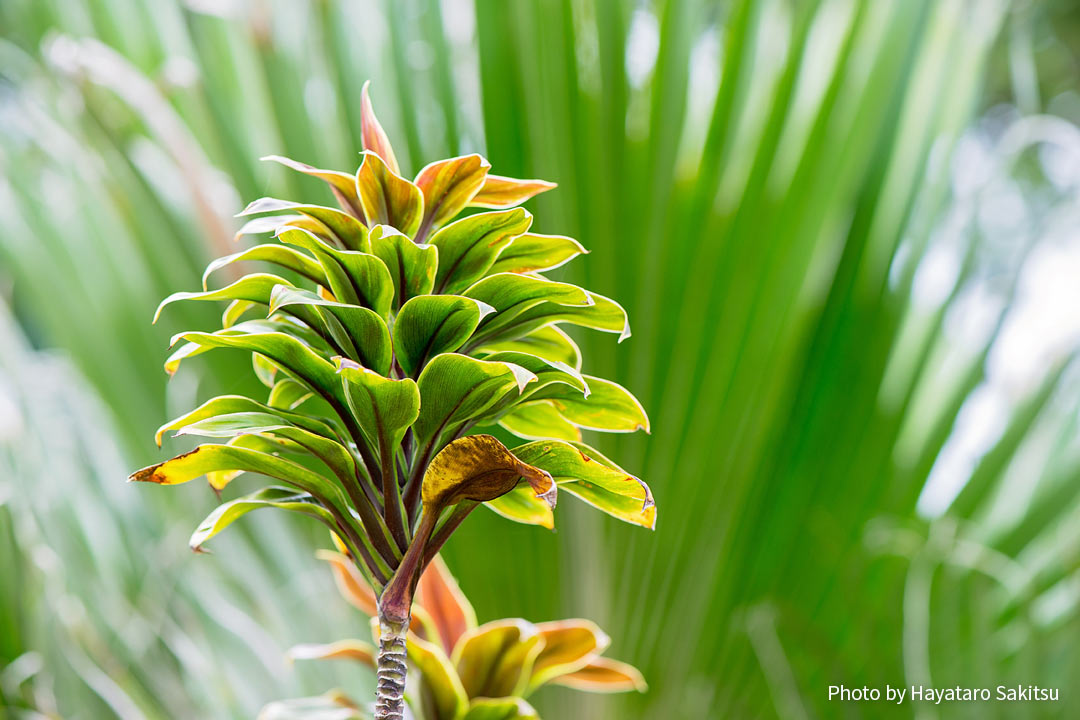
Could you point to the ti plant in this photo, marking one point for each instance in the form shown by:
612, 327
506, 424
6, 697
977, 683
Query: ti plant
464, 671
394, 333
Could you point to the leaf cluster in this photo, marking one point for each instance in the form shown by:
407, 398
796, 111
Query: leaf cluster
389, 335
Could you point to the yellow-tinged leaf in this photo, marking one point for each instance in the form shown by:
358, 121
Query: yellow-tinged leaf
478, 468
218, 480
549, 342
439, 595
588, 475
533, 252
496, 659
501, 192
521, 505
604, 676
442, 696
448, 186
355, 650
539, 421
569, 645
372, 134
388, 198
609, 407
507, 708
208, 458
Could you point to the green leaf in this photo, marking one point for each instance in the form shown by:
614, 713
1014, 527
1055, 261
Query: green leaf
568, 646
356, 278
508, 708
285, 257
229, 404
547, 372
373, 137
276, 324
539, 421
501, 192
609, 407
549, 342
347, 229
442, 696
288, 394
469, 247
234, 311
532, 252
430, 325
364, 330
512, 295
388, 198
385, 408
330, 451
274, 223
286, 351
495, 660
342, 185
455, 389
586, 473
448, 186
599, 313
523, 506
478, 468
254, 288
277, 497
411, 266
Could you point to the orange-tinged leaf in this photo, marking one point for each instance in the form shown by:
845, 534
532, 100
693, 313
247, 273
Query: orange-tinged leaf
372, 134
501, 192
496, 659
448, 186
569, 645
438, 593
604, 676
342, 185
350, 583
388, 198
355, 650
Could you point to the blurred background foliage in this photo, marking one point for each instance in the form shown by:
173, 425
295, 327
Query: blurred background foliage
846, 234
